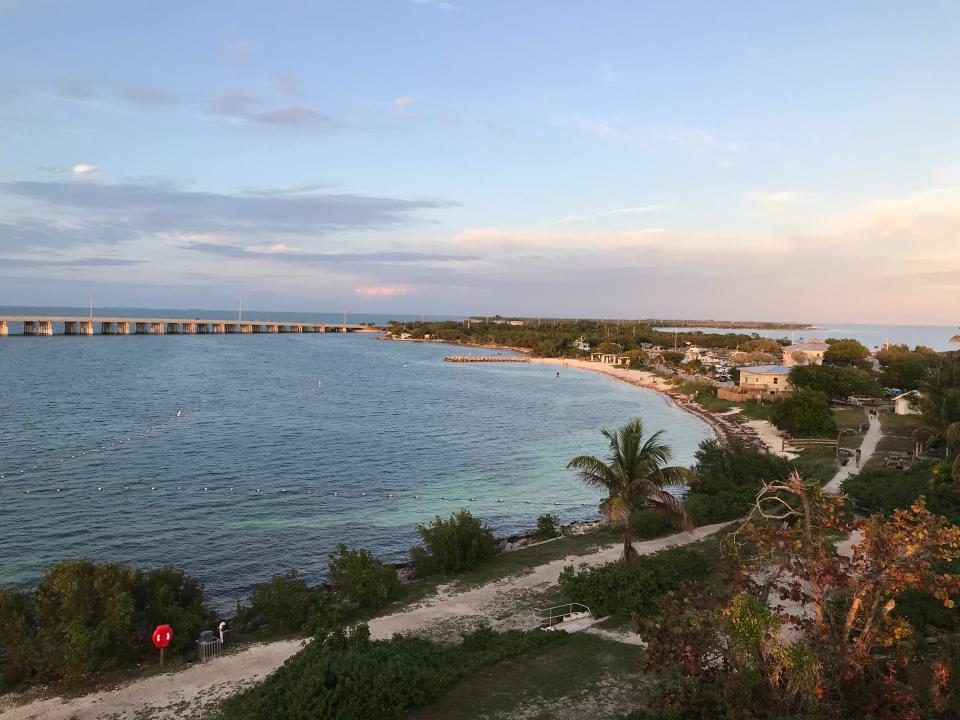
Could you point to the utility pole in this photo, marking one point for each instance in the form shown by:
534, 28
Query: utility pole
91, 306
344, 315
240, 311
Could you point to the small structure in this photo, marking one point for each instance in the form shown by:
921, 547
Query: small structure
808, 353
553, 618
581, 345
209, 646
908, 403
610, 359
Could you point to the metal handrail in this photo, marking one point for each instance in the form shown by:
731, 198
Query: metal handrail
548, 617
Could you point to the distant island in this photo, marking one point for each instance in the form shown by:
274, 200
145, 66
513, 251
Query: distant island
729, 324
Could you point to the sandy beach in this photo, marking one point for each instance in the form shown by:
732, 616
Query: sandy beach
727, 427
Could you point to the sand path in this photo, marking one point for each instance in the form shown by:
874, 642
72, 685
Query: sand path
191, 693
867, 448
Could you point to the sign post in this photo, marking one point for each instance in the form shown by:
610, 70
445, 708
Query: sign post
161, 638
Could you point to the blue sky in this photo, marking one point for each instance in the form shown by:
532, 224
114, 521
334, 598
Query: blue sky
749, 160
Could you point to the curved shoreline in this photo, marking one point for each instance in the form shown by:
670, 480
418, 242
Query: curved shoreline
726, 428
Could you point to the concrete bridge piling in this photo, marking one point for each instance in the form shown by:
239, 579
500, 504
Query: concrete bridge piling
38, 325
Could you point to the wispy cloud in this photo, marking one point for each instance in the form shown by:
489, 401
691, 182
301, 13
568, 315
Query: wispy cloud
132, 209
84, 169
403, 101
777, 199
325, 258
298, 116
237, 105
381, 291
77, 263
607, 73
145, 96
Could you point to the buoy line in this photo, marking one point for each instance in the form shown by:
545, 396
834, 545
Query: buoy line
124, 438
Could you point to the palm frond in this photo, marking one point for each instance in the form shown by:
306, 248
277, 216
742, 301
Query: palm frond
663, 502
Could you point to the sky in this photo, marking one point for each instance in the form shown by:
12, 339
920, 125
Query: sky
739, 160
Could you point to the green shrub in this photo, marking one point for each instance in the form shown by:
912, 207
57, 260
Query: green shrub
17, 643
349, 677
167, 595
86, 617
454, 545
884, 489
634, 591
806, 413
650, 524
726, 479
360, 581
548, 527
284, 604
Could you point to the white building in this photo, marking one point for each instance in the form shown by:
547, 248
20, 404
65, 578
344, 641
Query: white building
908, 403
809, 353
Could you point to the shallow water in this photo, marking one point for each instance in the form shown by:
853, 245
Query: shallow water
299, 418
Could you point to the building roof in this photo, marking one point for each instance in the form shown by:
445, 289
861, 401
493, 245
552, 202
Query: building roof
767, 369
810, 346
908, 394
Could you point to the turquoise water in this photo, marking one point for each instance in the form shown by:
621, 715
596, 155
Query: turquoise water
96, 464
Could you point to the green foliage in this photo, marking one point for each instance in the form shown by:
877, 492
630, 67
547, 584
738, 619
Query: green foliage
903, 368
635, 591
672, 357
349, 677
360, 581
726, 479
454, 545
648, 523
284, 604
835, 381
17, 645
555, 338
806, 413
548, 527
167, 595
86, 617
764, 345
884, 490
845, 352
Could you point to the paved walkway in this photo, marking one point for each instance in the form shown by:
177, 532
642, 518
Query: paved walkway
867, 449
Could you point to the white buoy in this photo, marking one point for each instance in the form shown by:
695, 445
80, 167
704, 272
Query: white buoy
179, 413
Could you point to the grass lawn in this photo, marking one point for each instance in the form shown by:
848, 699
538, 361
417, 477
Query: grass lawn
896, 432
754, 410
584, 676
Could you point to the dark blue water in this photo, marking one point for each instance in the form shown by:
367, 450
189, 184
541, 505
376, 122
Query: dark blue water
299, 418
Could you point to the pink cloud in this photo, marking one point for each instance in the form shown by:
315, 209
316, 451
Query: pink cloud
384, 291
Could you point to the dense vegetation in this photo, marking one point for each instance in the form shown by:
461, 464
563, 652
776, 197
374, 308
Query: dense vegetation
453, 545
730, 654
347, 676
555, 338
806, 414
726, 478
88, 617
634, 591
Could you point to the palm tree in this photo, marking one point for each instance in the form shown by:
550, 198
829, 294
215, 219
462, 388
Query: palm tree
634, 475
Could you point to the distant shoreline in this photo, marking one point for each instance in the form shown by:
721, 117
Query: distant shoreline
726, 428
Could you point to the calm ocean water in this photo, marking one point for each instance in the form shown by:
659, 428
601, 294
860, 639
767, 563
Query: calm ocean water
96, 464
873, 336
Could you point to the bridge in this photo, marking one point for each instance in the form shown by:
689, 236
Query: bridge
90, 325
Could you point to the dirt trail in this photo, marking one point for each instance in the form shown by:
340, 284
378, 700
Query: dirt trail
189, 694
